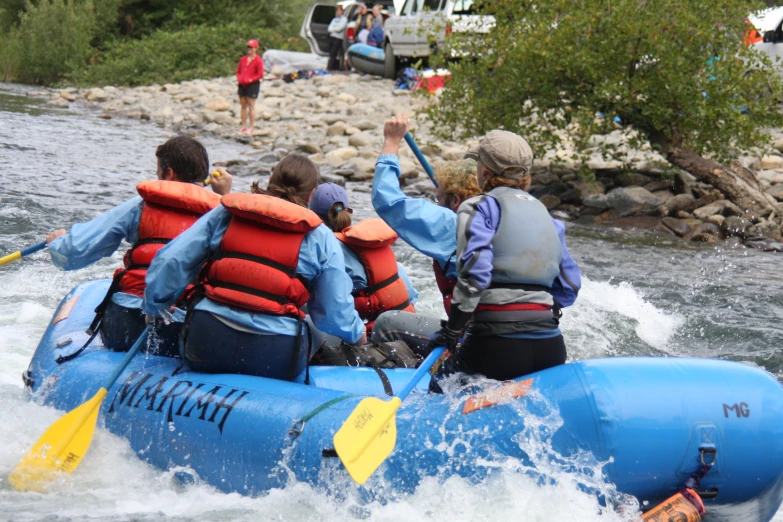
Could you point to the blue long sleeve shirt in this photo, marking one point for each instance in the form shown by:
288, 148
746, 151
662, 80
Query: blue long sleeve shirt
432, 230
427, 227
355, 270
320, 262
87, 243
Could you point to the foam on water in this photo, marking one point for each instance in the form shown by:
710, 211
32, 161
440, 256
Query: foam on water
608, 317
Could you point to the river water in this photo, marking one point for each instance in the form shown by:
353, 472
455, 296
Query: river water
642, 295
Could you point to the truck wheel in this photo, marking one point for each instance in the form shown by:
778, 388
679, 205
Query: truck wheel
390, 62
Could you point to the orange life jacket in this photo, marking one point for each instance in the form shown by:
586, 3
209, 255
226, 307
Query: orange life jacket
255, 266
170, 208
371, 241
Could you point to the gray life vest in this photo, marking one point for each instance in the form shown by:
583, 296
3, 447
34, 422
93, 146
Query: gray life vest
526, 246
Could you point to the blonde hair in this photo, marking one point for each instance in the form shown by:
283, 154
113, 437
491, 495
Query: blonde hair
458, 178
521, 179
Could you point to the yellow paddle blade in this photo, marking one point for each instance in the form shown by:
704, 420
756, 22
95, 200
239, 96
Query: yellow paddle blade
10, 257
60, 449
358, 435
374, 455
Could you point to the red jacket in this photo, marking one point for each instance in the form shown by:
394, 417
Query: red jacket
249, 73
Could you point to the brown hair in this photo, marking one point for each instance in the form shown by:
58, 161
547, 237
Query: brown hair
458, 178
293, 179
521, 179
338, 218
186, 156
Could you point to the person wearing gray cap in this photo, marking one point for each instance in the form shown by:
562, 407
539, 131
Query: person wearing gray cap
509, 254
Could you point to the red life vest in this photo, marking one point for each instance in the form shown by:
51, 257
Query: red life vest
445, 285
255, 267
371, 241
170, 208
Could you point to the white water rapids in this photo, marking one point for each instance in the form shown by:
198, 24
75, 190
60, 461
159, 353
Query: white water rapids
641, 296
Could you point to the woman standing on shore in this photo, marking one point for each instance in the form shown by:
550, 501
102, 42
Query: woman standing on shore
250, 71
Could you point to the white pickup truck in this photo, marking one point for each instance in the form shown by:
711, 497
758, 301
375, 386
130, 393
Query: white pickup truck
407, 35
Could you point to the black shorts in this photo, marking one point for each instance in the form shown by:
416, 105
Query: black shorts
250, 91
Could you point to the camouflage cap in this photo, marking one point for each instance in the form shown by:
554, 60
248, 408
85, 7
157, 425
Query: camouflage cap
502, 150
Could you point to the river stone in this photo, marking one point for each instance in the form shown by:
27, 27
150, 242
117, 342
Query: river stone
588, 187
332, 178
628, 201
343, 153
573, 195
778, 144
717, 219
308, 148
633, 179
765, 229
336, 129
346, 171
765, 244
776, 191
69, 96
597, 201
705, 233
96, 94
366, 125
268, 158
453, 153
347, 98
550, 202
678, 226
58, 102
655, 186
735, 226
544, 178
218, 104
708, 210
771, 162
553, 189
773, 176
361, 140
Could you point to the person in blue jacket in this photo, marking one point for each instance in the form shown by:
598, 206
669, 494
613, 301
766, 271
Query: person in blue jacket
330, 203
258, 259
432, 230
508, 254
180, 159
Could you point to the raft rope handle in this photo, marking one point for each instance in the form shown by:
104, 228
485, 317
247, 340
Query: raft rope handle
694, 482
299, 424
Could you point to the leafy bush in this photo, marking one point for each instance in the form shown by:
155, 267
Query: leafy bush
169, 57
673, 69
53, 37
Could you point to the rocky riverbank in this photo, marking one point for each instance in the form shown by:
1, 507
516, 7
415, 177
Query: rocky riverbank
338, 120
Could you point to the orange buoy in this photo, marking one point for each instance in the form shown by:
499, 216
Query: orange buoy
685, 506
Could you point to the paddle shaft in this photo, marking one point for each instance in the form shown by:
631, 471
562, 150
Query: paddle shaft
126, 361
22, 253
419, 156
425, 367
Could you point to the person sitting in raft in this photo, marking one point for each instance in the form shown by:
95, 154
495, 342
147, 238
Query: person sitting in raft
257, 259
509, 254
380, 283
432, 230
163, 210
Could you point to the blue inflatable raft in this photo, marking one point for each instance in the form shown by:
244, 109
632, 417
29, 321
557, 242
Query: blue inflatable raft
651, 422
367, 59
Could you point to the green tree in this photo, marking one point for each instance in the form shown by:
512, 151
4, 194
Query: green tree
675, 70
53, 37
